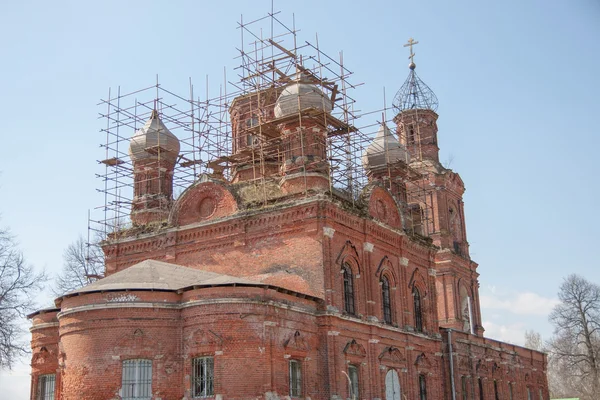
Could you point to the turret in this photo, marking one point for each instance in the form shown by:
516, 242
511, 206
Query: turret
386, 161
302, 108
153, 150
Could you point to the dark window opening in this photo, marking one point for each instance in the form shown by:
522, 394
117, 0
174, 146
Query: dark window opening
386, 300
422, 388
348, 290
418, 310
480, 388
496, 395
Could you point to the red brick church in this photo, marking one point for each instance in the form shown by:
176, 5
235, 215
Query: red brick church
289, 289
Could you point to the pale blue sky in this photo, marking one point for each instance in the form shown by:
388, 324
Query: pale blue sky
517, 83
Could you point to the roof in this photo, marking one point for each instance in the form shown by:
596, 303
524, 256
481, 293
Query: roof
159, 275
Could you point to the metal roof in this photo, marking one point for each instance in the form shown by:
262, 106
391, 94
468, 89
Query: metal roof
384, 149
159, 275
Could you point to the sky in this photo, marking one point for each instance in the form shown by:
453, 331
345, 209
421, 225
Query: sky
517, 82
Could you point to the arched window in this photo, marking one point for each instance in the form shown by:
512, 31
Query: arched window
422, 387
480, 388
510, 391
418, 309
496, 395
463, 382
386, 300
348, 289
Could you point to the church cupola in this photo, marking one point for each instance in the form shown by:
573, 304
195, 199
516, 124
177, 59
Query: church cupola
385, 149
301, 95
302, 110
416, 105
386, 161
153, 150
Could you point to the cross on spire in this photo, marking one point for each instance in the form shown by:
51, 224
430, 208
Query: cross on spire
410, 44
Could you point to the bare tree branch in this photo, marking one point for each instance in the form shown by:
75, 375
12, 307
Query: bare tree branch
574, 350
18, 284
83, 264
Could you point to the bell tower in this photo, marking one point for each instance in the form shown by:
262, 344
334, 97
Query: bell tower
442, 190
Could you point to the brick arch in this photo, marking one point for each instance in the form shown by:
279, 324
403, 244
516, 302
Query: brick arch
387, 268
382, 206
203, 201
418, 282
349, 255
462, 291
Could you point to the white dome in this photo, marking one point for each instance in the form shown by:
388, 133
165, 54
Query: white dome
299, 96
384, 149
152, 135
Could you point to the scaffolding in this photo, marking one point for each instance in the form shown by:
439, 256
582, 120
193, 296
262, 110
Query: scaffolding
234, 136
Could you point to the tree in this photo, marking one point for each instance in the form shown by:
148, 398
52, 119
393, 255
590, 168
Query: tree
18, 283
533, 340
83, 264
575, 347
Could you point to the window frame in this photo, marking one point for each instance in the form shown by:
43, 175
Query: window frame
43, 382
418, 309
481, 392
348, 285
295, 374
422, 387
141, 385
463, 387
386, 300
354, 382
205, 365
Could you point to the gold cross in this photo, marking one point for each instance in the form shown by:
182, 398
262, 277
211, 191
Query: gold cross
410, 44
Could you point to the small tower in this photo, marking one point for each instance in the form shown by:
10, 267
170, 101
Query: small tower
386, 161
302, 109
153, 151
416, 105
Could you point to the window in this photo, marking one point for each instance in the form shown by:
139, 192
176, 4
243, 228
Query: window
529, 393
348, 289
541, 395
46, 387
295, 379
480, 388
137, 379
202, 377
422, 388
353, 389
510, 391
385, 300
411, 135
463, 382
496, 396
418, 310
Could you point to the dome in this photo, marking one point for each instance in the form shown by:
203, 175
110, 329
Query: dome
152, 135
384, 149
299, 96
415, 94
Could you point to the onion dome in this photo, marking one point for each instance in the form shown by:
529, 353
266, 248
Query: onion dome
154, 140
415, 94
384, 149
301, 95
